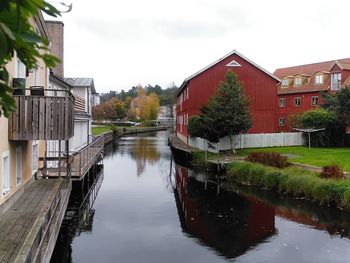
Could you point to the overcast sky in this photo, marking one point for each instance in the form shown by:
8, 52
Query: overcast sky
125, 43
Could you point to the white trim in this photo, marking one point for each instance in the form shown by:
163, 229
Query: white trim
4, 155
226, 56
36, 160
233, 63
19, 172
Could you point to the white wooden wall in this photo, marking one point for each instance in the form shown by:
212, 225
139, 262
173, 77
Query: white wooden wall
252, 141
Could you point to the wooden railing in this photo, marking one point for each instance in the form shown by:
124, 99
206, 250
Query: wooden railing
79, 104
86, 157
42, 117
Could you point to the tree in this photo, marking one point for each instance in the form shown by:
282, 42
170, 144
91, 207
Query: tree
18, 36
227, 112
318, 119
144, 107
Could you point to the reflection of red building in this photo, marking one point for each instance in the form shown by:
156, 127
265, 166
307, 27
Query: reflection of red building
226, 222
259, 85
300, 87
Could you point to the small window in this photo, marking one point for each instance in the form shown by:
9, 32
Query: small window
297, 81
282, 102
319, 79
233, 63
282, 122
297, 102
35, 156
285, 82
314, 100
336, 80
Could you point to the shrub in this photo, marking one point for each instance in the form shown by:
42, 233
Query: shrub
148, 123
268, 158
332, 171
294, 182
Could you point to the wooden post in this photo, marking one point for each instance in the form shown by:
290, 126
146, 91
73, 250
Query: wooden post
59, 158
67, 159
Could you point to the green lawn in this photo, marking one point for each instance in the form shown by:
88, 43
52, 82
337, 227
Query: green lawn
315, 156
99, 130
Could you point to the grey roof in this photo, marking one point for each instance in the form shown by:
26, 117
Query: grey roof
82, 82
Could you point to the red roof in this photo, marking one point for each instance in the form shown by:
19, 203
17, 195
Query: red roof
311, 69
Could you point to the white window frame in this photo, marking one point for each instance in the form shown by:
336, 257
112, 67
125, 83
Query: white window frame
282, 121
284, 83
19, 162
35, 156
20, 69
233, 63
282, 102
314, 101
4, 190
295, 101
335, 85
319, 79
297, 81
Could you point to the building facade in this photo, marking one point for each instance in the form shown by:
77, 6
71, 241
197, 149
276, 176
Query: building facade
36, 119
258, 84
300, 87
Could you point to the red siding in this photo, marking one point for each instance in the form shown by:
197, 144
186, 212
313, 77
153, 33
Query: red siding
260, 87
291, 109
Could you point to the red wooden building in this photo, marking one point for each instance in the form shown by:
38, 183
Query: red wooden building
259, 85
300, 87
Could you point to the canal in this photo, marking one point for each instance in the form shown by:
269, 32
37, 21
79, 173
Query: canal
143, 207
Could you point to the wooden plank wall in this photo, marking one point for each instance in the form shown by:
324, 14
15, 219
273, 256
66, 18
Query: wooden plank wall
42, 118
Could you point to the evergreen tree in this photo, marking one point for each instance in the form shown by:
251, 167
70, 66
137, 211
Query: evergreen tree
227, 113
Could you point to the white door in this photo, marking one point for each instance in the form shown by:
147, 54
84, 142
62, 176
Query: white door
18, 165
5, 173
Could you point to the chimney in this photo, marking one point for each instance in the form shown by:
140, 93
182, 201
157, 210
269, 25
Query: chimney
56, 32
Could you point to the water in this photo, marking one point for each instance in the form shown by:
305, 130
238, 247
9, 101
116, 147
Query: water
145, 208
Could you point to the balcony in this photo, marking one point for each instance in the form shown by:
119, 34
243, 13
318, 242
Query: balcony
42, 114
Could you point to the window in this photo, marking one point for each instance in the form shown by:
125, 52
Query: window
282, 122
233, 63
319, 79
314, 100
297, 102
20, 69
35, 157
297, 81
18, 165
282, 102
5, 173
336, 80
285, 82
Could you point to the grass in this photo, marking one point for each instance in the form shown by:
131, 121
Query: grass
100, 129
315, 156
292, 181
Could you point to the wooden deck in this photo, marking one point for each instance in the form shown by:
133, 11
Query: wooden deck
80, 162
29, 228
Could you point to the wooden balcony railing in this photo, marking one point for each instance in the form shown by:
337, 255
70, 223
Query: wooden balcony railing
79, 162
40, 117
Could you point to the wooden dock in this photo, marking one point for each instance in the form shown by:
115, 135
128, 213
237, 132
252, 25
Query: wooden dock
29, 228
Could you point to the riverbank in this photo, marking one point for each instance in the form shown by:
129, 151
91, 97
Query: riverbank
298, 181
110, 136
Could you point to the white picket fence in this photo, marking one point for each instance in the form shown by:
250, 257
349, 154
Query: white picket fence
260, 140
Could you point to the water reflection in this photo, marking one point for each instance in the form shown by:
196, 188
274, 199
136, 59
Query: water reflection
221, 220
79, 215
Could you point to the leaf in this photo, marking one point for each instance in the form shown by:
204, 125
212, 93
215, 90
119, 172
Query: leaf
7, 31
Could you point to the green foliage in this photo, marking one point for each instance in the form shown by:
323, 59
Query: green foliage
227, 112
17, 35
319, 118
292, 181
195, 126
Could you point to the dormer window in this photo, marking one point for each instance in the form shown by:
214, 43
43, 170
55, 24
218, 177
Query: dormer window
319, 79
336, 80
285, 83
297, 81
